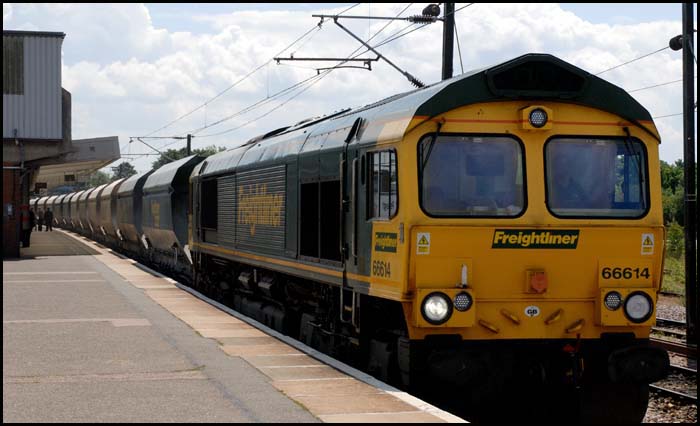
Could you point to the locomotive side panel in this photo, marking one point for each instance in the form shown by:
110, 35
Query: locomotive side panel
259, 209
226, 229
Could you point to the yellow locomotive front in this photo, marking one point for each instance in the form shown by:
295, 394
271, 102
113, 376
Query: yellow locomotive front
534, 252
552, 232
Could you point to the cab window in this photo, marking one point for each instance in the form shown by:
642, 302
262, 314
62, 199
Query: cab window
471, 176
596, 177
383, 191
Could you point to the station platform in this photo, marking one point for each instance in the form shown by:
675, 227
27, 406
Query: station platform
92, 336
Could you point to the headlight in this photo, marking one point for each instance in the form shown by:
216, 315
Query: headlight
638, 307
538, 117
436, 308
463, 301
613, 301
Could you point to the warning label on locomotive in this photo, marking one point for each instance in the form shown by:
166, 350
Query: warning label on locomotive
647, 243
385, 241
423, 243
535, 239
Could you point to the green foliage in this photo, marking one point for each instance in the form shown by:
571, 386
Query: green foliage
673, 205
672, 187
674, 275
672, 175
98, 178
124, 170
675, 240
176, 154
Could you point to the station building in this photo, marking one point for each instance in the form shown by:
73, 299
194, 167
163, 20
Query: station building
38, 151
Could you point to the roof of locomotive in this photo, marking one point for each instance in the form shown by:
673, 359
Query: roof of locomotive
533, 76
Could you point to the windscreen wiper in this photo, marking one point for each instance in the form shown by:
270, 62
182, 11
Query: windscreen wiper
633, 153
430, 147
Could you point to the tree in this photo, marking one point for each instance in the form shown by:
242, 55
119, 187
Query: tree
675, 239
673, 187
672, 175
124, 170
176, 154
97, 178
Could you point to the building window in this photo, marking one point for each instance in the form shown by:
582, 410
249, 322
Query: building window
12, 65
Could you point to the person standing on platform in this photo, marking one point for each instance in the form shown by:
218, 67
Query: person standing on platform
48, 218
26, 225
32, 220
40, 220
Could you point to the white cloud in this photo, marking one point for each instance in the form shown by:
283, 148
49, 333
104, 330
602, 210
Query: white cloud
100, 33
6, 12
129, 78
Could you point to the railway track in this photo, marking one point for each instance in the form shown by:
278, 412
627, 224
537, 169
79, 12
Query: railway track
682, 397
666, 327
677, 347
680, 385
667, 322
668, 293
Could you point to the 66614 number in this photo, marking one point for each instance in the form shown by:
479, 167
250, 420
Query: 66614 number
624, 273
381, 269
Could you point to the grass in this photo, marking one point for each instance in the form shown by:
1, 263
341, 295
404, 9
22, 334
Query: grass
674, 274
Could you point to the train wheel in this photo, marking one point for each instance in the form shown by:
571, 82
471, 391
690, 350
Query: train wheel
614, 403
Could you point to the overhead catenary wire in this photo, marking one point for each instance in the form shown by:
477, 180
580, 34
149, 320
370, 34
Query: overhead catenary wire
633, 60
264, 114
258, 68
155, 149
253, 106
315, 27
311, 83
389, 39
669, 115
282, 92
463, 7
657, 85
399, 34
459, 50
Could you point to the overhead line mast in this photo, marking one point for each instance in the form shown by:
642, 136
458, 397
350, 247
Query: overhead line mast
429, 15
448, 31
685, 42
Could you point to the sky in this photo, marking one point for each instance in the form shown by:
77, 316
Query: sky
134, 68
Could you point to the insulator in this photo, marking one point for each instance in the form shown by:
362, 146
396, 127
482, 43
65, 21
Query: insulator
416, 82
422, 19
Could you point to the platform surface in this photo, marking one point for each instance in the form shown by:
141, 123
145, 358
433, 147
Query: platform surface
91, 336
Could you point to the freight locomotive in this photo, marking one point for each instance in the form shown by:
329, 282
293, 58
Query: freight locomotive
497, 236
